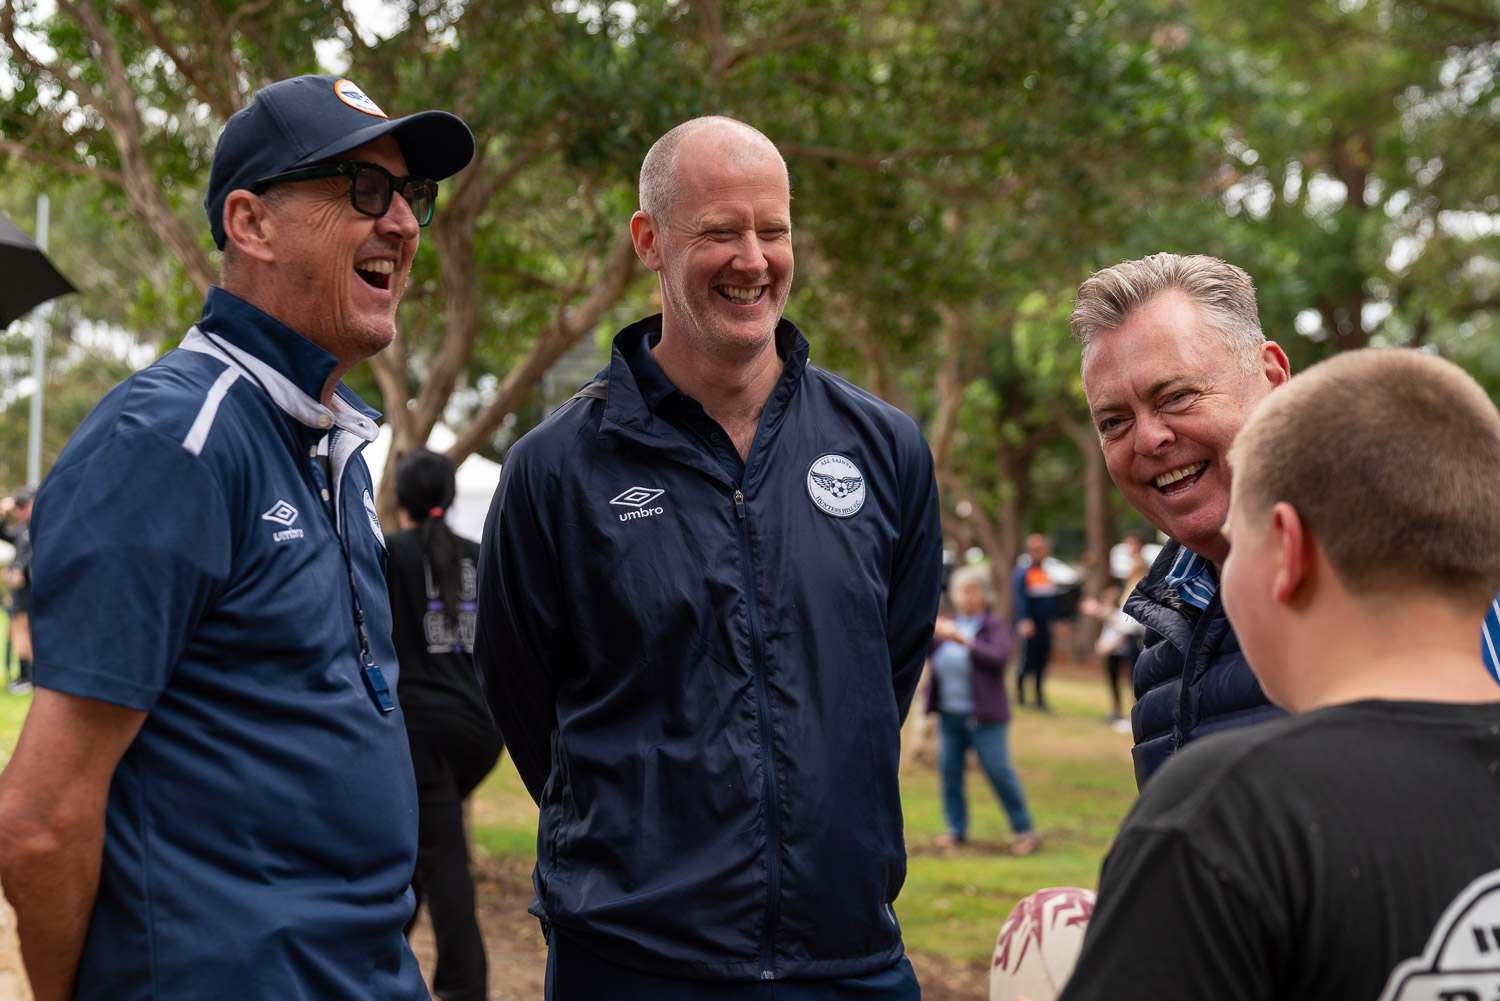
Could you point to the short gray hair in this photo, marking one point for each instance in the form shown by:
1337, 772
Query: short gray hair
964, 575
1223, 294
661, 183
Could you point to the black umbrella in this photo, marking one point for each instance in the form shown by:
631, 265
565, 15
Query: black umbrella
26, 276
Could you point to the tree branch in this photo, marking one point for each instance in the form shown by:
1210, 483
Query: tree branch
56, 71
950, 388
140, 183
492, 186
389, 367
356, 43
1489, 21
551, 343
22, 152
877, 161
184, 67
279, 68
712, 19
789, 35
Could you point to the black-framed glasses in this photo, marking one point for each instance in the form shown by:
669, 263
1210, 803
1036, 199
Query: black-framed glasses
371, 187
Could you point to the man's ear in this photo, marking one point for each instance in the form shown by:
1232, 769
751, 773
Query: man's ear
646, 236
1294, 555
1274, 364
248, 225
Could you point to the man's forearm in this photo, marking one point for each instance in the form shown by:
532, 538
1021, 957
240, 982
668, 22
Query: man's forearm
51, 883
53, 796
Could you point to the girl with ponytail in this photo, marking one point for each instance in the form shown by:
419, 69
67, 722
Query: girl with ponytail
432, 576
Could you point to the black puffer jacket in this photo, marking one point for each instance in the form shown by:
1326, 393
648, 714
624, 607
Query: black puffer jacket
1191, 678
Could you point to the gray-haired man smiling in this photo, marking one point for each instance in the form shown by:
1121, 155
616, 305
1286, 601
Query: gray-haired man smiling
1174, 362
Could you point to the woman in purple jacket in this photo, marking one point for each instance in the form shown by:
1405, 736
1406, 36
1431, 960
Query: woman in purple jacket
967, 689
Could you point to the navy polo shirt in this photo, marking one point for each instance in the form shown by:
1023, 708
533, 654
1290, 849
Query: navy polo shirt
262, 828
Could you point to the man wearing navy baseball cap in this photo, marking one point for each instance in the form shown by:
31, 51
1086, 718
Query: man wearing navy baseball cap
212, 795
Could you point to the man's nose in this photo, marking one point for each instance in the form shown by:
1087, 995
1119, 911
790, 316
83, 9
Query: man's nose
399, 219
1152, 433
750, 258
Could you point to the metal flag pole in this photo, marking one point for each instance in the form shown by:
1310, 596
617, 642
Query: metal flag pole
38, 358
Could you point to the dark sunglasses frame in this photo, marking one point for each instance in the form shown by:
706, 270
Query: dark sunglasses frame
409, 186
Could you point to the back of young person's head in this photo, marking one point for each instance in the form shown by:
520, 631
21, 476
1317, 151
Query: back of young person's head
424, 482
1391, 458
425, 486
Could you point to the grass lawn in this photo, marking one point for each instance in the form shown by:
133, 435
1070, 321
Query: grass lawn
12, 712
12, 707
1079, 781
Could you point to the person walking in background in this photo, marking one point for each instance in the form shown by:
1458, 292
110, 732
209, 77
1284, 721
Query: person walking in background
431, 576
967, 690
15, 527
1119, 642
1035, 595
1133, 549
1118, 645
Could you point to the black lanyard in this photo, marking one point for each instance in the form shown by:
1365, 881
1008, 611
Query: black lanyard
374, 678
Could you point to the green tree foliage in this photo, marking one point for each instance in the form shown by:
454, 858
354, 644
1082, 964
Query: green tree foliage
958, 166
1362, 164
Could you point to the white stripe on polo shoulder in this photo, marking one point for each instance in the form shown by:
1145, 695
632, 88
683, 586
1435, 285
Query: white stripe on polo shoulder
283, 392
198, 434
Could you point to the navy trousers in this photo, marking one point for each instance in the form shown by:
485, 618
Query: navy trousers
575, 974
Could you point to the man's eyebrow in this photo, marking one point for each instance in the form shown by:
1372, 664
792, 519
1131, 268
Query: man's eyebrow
1106, 407
737, 224
1119, 405
1156, 388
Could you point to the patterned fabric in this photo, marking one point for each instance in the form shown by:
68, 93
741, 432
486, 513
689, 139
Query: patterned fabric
1192, 578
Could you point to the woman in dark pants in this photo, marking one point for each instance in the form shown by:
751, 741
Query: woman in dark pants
431, 575
967, 690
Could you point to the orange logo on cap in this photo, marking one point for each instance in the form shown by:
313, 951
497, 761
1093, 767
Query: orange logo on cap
349, 92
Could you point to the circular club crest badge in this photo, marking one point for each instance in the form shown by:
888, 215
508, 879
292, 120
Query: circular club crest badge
349, 92
836, 485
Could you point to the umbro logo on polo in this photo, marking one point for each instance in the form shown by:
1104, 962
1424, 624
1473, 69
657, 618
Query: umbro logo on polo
283, 513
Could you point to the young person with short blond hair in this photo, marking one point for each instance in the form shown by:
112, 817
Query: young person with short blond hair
1351, 850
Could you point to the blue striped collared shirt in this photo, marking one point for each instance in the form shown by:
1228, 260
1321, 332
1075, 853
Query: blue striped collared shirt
1489, 643
1195, 584
1192, 578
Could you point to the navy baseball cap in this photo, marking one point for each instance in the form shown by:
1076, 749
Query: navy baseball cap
308, 119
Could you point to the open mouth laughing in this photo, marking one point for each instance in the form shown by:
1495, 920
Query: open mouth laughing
741, 295
1177, 480
376, 273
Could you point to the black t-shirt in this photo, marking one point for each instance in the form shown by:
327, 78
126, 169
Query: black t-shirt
1306, 858
438, 688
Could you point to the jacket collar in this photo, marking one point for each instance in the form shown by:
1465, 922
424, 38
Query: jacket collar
1156, 606
638, 388
289, 367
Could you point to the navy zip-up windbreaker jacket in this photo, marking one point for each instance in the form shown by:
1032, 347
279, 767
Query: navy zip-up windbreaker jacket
1191, 679
701, 678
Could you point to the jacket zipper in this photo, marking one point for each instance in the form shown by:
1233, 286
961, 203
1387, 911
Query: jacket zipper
767, 753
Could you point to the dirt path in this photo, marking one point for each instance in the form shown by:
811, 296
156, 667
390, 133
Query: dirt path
518, 956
